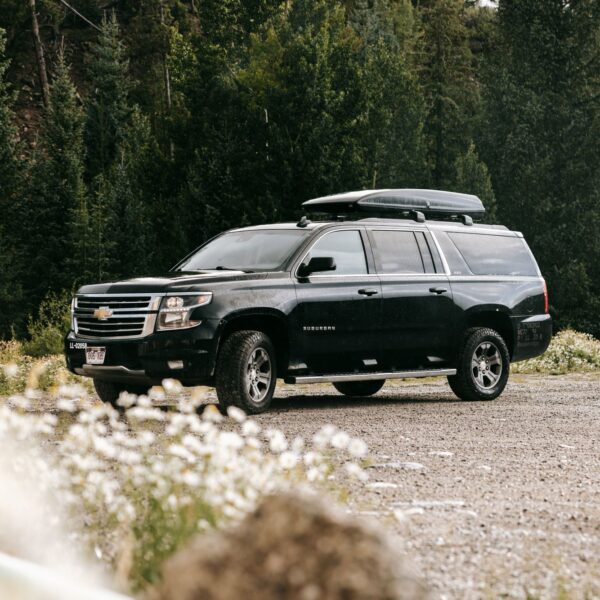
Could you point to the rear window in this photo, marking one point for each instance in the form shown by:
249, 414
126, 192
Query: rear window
484, 254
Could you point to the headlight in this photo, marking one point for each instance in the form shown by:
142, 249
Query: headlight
176, 311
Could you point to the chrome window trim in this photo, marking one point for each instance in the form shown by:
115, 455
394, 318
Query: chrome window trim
416, 276
488, 278
320, 237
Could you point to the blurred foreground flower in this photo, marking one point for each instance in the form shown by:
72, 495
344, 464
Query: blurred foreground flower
136, 484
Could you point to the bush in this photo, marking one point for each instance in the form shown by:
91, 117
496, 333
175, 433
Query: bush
48, 331
569, 351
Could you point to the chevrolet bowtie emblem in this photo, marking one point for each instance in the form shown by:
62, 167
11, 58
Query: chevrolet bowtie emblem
103, 313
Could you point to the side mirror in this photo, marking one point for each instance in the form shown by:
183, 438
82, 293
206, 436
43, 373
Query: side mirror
317, 264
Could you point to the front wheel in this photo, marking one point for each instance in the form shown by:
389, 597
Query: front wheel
359, 388
483, 366
246, 372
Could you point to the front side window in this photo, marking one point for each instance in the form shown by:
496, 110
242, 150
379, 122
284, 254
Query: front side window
346, 248
397, 252
247, 250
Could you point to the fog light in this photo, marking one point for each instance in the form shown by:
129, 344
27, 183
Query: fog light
175, 364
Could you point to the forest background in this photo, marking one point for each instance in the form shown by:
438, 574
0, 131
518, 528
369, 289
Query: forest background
133, 130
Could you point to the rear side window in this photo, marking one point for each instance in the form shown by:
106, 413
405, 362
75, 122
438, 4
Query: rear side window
397, 252
494, 254
347, 250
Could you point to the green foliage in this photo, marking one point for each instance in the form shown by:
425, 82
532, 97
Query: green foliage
108, 107
473, 177
48, 329
449, 83
54, 212
540, 138
570, 351
10, 183
188, 118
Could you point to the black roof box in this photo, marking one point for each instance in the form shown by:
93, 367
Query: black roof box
432, 203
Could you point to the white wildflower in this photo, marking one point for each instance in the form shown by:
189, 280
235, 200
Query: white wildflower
340, 440
288, 460
237, 414
357, 448
250, 428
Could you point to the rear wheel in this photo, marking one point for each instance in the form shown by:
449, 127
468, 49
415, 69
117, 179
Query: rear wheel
246, 372
483, 366
109, 391
359, 388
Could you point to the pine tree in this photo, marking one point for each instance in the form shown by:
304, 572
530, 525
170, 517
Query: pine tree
449, 83
541, 140
55, 214
10, 183
473, 177
108, 106
120, 225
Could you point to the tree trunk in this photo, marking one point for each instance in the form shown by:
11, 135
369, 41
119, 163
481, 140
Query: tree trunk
39, 51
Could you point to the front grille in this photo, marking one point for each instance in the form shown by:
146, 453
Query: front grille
115, 316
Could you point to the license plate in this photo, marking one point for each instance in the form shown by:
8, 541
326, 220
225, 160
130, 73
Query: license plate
94, 355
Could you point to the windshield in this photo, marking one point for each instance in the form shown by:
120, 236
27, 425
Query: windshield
250, 250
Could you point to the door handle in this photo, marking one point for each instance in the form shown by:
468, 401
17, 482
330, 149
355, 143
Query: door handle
368, 291
438, 290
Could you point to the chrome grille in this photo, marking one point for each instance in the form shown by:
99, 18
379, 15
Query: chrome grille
127, 315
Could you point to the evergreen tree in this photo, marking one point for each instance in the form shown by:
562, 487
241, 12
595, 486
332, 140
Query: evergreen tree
108, 107
121, 228
473, 177
10, 183
541, 139
449, 84
55, 213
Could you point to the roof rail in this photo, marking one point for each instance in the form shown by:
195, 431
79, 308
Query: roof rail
412, 202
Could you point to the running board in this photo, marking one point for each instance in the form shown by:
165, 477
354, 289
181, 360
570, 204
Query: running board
369, 376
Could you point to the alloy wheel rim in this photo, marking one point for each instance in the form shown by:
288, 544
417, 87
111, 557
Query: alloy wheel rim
259, 374
486, 365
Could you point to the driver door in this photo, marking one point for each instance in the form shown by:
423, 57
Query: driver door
338, 314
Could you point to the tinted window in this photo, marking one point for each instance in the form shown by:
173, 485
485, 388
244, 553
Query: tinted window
347, 250
254, 250
397, 252
494, 254
454, 258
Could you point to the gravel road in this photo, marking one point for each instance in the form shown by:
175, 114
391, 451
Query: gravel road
490, 499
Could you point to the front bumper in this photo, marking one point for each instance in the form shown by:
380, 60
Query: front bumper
145, 360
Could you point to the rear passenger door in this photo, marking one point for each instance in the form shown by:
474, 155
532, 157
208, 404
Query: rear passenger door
417, 305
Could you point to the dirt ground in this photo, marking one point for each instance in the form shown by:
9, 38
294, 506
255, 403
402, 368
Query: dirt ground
487, 499
490, 499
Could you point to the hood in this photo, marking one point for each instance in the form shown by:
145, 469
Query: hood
173, 282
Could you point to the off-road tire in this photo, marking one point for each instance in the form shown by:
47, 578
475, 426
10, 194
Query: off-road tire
109, 391
464, 383
359, 388
233, 372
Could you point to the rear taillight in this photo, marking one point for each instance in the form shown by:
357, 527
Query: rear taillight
545, 298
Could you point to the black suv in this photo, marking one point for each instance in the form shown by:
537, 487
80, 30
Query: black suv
354, 300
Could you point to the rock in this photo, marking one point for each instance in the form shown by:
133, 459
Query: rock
293, 547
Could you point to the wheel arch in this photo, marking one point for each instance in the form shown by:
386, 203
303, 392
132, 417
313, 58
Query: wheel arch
270, 321
496, 318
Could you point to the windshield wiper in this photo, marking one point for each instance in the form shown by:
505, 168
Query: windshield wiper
222, 268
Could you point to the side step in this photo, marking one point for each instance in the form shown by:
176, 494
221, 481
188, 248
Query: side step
369, 376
